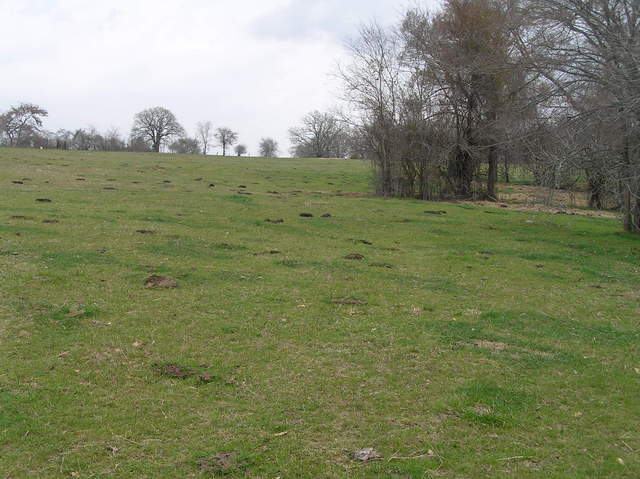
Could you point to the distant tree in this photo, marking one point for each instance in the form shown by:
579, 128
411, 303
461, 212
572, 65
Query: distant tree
21, 122
112, 141
138, 145
185, 146
240, 150
268, 147
204, 135
63, 139
156, 126
87, 139
319, 136
226, 137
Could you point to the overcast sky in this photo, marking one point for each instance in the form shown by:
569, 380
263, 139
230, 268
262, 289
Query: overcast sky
256, 66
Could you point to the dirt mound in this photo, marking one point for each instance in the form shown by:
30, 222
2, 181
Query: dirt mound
160, 282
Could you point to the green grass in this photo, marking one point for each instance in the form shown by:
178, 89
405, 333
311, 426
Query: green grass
478, 345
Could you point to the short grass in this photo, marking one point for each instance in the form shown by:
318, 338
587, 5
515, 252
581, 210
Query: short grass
474, 344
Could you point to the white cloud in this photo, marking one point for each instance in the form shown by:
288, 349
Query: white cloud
254, 65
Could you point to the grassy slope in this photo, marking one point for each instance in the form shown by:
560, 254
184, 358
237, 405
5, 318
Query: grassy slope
522, 362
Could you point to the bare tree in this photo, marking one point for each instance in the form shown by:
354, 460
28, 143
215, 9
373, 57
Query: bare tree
156, 126
594, 47
226, 137
317, 137
268, 147
205, 135
240, 150
21, 122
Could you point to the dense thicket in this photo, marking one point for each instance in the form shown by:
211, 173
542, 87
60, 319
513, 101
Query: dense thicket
447, 102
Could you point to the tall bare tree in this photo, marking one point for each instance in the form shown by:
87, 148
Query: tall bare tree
156, 126
226, 137
268, 147
594, 46
204, 135
21, 122
317, 137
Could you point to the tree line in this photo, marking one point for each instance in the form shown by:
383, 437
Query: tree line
153, 130
446, 103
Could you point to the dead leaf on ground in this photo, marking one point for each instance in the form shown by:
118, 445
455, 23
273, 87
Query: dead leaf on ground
366, 455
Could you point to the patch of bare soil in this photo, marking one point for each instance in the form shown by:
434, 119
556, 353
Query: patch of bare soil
17, 182
354, 256
267, 253
491, 345
349, 301
160, 282
275, 222
146, 232
43, 200
306, 215
222, 463
48, 221
436, 213
543, 200
174, 371
327, 215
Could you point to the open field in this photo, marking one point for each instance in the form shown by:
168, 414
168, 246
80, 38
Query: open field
479, 343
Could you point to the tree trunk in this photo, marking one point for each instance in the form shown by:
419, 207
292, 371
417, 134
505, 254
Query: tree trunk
492, 177
507, 177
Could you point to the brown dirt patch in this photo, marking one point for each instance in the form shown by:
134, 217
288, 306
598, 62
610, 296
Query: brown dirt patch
160, 282
354, 256
222, 463
275, 222
43, 200
266, 253
306, 215
436, 213
146, 232
174, 371
50, 221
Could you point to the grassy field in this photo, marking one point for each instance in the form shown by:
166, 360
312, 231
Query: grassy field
480, 343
